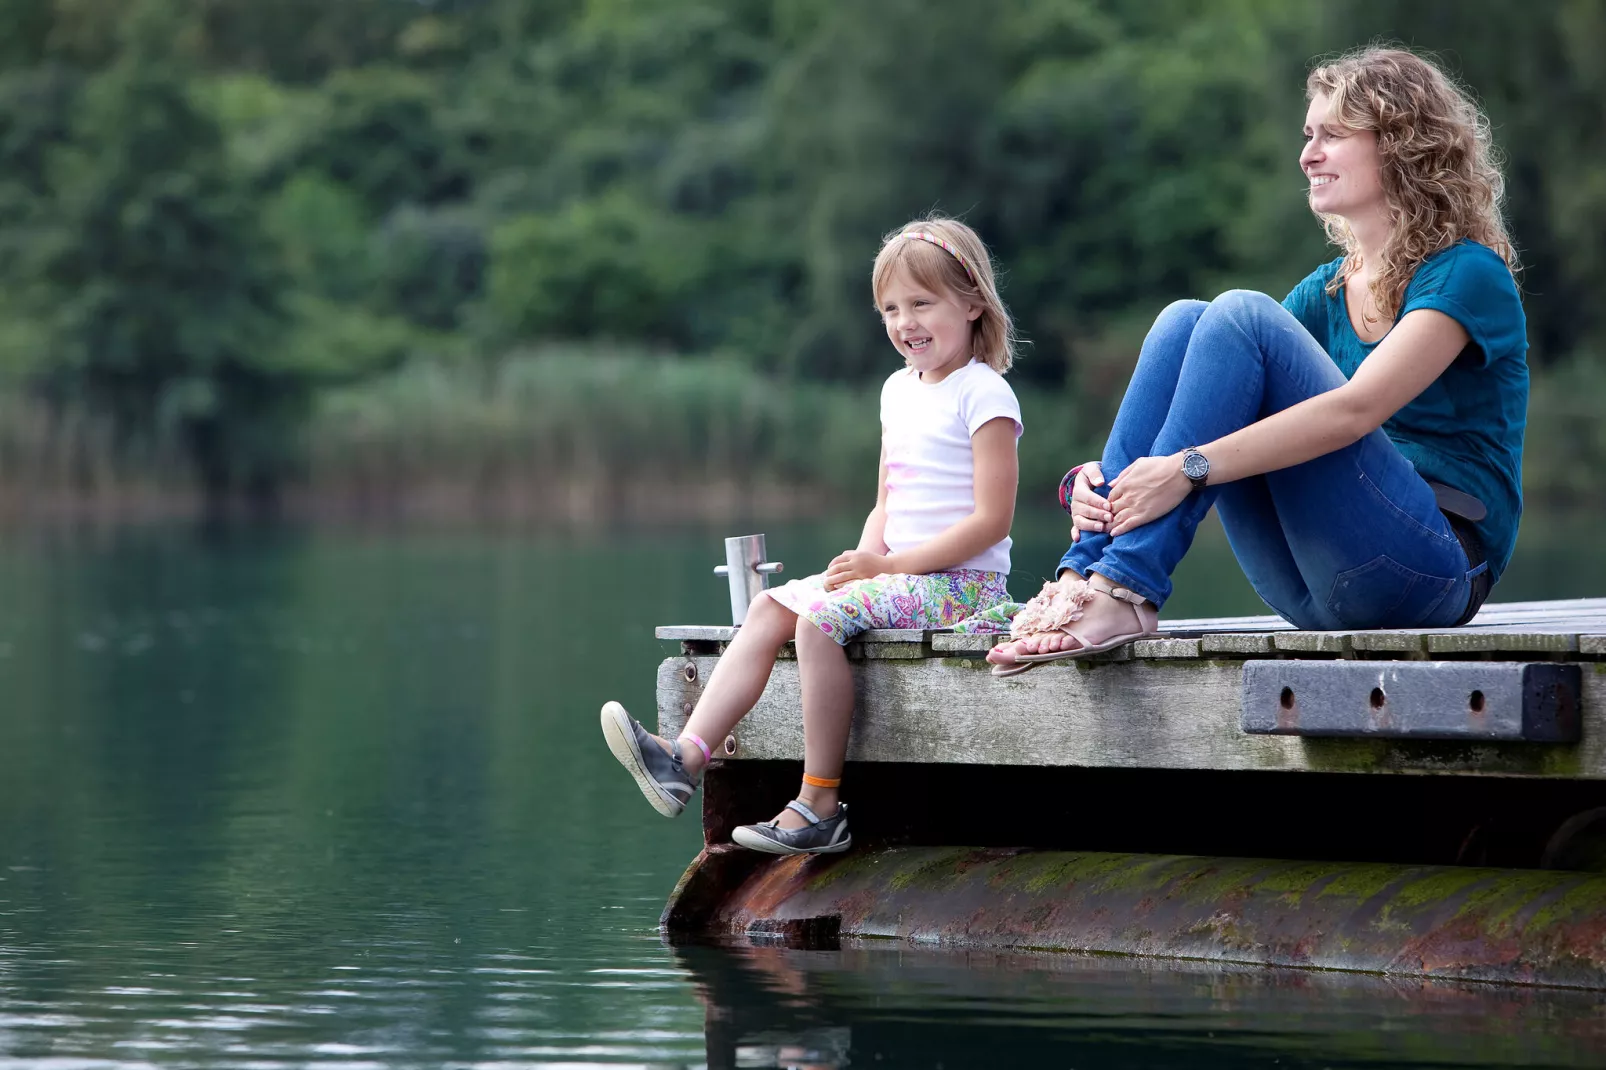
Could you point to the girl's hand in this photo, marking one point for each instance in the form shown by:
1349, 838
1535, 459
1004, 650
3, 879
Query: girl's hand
1149, 488
1089, 511
855, 565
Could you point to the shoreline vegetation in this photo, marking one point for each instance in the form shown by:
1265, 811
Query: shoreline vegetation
577, 436
573, 263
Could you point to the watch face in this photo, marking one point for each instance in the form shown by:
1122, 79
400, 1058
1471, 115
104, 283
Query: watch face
1194, 465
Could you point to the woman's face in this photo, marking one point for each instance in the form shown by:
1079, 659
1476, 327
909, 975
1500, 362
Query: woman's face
1343, 167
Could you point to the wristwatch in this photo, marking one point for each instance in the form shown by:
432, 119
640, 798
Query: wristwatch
1196, 466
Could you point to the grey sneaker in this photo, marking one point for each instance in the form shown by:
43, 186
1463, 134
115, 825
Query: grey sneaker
821, 836
661, 777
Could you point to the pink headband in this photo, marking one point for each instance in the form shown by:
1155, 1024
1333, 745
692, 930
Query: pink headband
924, 235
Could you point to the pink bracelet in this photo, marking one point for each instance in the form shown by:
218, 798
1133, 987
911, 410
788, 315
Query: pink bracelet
708, 755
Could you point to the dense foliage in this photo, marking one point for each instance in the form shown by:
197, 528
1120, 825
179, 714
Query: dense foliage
212, 211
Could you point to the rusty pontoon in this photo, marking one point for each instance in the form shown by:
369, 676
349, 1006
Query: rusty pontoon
1406, 802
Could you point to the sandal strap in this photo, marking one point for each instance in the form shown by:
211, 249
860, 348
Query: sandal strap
1122, 593
808, 815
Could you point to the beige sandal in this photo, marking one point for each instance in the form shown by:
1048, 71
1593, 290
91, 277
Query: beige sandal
1056, 608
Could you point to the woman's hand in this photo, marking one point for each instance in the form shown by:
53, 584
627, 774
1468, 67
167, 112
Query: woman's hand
1089, 511
1148, 489
853, 565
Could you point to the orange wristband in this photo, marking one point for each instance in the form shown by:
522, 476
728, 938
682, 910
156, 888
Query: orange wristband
821, 782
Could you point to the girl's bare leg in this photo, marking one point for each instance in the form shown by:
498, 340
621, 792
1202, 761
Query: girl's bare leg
738, 679
827, 715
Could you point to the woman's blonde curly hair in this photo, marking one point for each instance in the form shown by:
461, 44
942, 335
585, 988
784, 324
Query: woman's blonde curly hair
1440, 174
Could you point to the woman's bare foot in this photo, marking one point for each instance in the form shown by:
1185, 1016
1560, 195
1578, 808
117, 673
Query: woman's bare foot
1103, 618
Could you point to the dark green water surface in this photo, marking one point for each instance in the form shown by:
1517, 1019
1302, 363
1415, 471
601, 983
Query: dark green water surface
333, 798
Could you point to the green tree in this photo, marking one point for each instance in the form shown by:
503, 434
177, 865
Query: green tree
158, 289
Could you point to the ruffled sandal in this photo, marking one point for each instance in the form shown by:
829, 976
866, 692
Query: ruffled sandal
1057, 608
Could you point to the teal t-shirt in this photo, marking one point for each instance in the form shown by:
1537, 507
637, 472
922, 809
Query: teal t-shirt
1464, 430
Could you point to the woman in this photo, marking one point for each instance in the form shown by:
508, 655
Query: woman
1363, 439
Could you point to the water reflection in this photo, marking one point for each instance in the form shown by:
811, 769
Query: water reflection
870, 1005
292, 798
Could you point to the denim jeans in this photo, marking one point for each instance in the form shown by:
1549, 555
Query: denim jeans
1351, 539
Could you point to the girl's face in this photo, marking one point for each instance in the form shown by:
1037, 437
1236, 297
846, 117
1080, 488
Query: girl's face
1343, 166
929, 328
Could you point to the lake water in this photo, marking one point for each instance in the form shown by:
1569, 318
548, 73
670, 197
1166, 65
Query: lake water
338, 798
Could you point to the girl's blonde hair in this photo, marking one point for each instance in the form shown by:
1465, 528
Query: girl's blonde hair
944, 254
1439, 170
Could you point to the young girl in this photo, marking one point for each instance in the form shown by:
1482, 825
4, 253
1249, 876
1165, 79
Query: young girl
1362, 439
935, 548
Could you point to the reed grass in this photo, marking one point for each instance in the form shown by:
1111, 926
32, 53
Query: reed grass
583, 434
70, 461
607, 433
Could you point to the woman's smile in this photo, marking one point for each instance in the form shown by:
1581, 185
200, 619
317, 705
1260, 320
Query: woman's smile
1333, 152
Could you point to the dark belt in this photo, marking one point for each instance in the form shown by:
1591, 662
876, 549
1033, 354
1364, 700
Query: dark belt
1462, 510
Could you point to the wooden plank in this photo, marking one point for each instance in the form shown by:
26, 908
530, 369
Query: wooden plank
960, 643
1166, 648
1592, 644
724, 633
892, 635
1564, 626
1193, 627
1162, 714
1247, 644
1463, 700
1502, 642
884, 651
1557, 617
1340, 643
1586, 603
1388, 642
705, 633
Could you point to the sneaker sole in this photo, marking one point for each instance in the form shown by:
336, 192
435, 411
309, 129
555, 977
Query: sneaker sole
622, 742
753, 841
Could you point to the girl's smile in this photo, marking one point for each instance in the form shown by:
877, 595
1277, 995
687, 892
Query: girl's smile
930, 329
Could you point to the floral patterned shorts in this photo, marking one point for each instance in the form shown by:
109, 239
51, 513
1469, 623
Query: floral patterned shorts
937, 600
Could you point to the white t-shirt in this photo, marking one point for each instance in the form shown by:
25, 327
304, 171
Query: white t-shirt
926, 429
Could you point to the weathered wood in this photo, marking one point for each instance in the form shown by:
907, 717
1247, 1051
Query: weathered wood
1466, 700
1171, 702
1165, 714
1166, 648
708, 633
1576, 626
1243, 644
1504, 642
1339, 643
1388, 642
959, 643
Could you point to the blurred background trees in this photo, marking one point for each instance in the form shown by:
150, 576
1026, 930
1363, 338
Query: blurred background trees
246, 242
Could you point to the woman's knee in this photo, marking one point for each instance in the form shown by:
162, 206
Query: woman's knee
1178, 315
1245, 305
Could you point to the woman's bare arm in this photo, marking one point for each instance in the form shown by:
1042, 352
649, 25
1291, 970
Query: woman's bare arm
1418, 349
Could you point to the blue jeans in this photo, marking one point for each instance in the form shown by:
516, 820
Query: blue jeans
1351, 539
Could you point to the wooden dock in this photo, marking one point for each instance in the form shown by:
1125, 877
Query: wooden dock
1179, 702
1234, 754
